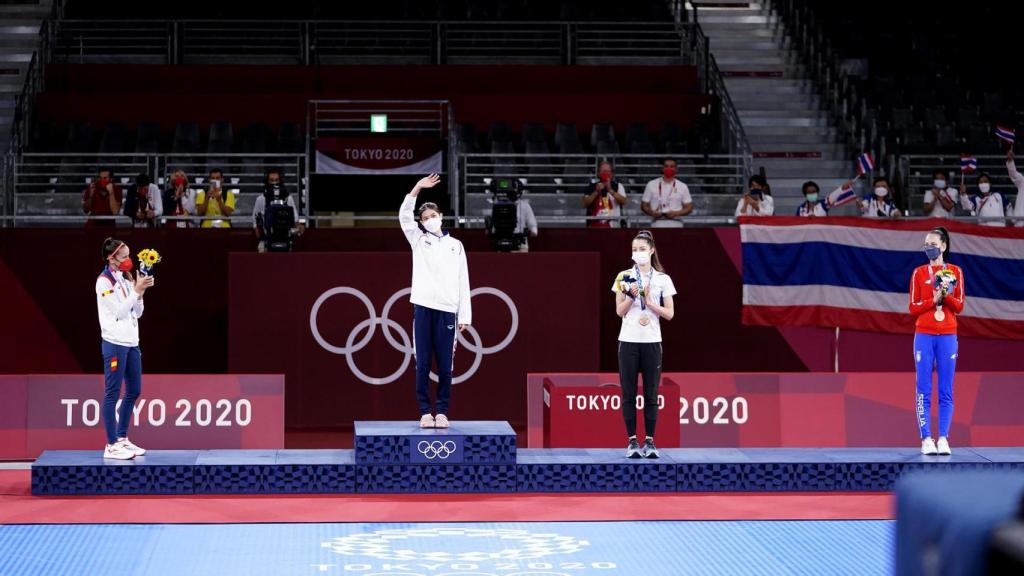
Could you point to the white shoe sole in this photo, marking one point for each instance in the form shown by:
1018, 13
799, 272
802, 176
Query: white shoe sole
113, 457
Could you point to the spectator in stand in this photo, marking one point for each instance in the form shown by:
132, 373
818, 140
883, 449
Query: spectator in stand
987, 204
179, 200
757, 201
815, 206
666, 199
605, 198
940, 201
215, 203
1018, 181
144, 203
879, 203
102, 198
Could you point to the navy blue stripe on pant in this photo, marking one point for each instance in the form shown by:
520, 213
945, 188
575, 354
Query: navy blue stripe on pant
434, 337
120, 364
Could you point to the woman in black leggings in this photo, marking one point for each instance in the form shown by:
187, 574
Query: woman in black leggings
643, 296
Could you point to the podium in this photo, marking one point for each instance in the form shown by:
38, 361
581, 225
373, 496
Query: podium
480, 457
400, 457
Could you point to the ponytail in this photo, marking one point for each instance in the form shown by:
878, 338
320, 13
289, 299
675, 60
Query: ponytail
646, 236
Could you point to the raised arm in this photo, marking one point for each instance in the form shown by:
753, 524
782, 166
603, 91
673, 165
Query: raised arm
405, 214
1015, 176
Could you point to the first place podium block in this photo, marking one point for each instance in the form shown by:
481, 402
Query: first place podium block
397, 457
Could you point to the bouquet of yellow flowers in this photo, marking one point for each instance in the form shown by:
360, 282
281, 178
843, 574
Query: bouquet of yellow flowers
147, 259
946, 280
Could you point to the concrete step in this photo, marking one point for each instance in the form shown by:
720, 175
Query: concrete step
771, 61
769, 90
738, 18
828, 151
746, 43
790, 71
744, 83
823, 131
769, 123
805, 103
806, 171
794, 136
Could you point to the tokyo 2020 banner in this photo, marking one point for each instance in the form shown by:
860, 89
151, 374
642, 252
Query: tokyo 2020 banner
174, 412
715, 410
339, 326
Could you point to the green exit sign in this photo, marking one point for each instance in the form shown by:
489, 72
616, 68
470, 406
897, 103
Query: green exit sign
378, 123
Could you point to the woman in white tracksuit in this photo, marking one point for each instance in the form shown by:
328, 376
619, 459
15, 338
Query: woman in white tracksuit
440, 298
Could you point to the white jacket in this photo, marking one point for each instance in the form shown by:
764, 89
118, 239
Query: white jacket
119, 309
440, 273
1018, 181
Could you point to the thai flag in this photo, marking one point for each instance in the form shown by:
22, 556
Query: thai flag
845, 196
865, 164
968, 163
855, 273
1005, 133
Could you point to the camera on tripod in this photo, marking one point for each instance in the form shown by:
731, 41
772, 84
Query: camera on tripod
503, 224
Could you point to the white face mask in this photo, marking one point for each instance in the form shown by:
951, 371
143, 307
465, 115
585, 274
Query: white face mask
985, 187
940, 184
433, 225
881, 192
642, 258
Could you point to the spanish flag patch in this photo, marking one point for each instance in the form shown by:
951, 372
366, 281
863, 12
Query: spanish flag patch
113, 364
107, 293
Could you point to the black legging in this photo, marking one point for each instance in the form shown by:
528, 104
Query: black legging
634, 359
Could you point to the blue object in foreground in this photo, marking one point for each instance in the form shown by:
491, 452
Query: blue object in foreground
454, 549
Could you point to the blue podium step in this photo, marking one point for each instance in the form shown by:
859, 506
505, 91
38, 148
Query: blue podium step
472, 442
399, 457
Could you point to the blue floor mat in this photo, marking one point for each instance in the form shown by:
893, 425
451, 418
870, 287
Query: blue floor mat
452, 549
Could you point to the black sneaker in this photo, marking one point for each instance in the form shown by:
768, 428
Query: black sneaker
649, 450
633, 450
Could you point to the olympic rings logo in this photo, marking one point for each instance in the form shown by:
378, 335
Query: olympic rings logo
436, 449
361, 334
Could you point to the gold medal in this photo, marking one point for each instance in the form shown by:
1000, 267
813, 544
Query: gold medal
940, 315
644, 320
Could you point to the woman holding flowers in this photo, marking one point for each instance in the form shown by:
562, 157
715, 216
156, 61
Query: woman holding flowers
643, 296
119, 304
936, 298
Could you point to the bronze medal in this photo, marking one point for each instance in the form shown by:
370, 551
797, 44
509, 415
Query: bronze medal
940, 315
645, 320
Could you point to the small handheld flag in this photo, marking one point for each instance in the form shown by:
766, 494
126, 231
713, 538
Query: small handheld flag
968, 163
1006, 134
865, 164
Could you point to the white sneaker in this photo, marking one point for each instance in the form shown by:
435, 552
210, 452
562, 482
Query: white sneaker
426, 421
441, 421
943, 447
117, 452
928, 447
138, 451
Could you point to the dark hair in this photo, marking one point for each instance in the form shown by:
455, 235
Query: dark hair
216, 171
879, 179
669, 159
803, 189
110, 245
426, 206
646, 236
143, 180
759, 180
273, 171
940, 172
985, 176
943, 234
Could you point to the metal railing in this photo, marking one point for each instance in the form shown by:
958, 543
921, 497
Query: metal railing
917, 171
378, 41
48, 184
555, 183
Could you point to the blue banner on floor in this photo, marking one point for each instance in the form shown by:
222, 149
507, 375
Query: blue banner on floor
452, 549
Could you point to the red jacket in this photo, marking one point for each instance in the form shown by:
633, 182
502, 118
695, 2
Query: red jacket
922, 307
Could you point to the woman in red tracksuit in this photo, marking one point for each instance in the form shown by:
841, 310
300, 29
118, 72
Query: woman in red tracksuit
935, 303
